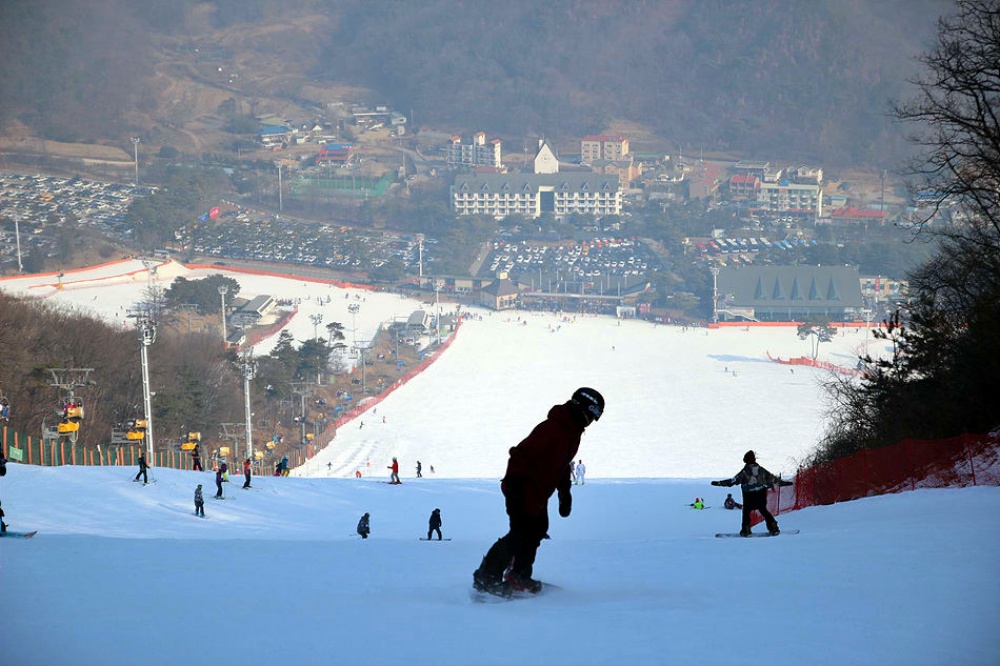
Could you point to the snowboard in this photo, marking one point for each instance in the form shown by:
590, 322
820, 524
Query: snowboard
18, 535
426, 539
508, 594
754, 535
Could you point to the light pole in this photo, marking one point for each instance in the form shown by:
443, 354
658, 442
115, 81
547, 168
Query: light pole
135, 144
437, 306
715, 294
279, 186
222, 292
353, 308
249, 372
316, 319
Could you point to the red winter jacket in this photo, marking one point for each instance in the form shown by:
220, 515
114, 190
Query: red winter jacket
540, 463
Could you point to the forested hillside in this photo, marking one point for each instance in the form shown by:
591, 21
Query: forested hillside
806, 80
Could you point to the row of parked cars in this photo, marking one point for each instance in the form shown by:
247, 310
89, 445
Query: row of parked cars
599, 257
43, 205
263, 237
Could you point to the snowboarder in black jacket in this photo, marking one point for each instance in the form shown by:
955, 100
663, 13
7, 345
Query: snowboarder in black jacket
754, 481
434, 524
363, 528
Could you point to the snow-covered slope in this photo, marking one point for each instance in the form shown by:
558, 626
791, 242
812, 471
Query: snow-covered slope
122, 573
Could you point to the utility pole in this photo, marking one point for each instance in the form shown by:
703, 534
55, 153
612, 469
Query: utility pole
17, 234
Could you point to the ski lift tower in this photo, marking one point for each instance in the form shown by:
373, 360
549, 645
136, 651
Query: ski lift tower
222, 294
233, 432
361, 348
302, 389
69, 379
145, 329
249, 372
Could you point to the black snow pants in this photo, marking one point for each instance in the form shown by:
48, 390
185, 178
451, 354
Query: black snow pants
518, 547
757, 501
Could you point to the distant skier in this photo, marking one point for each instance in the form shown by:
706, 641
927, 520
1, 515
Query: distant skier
537, 467
218, 483
3, 525
434, 524
394, 476
581, 471
224, 470
199, 502
142, 469
363, 528
247, 471
754, 481
419, 469
284, 465
3, 464
730, 503
196, 459
698, 503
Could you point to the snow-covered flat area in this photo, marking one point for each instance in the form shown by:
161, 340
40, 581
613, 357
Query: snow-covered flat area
122, 573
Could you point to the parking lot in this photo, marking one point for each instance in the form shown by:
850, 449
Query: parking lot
42, 205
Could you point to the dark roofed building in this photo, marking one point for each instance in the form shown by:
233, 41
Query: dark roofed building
501, 294
789, 293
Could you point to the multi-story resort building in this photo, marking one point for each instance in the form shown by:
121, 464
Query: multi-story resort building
532, 194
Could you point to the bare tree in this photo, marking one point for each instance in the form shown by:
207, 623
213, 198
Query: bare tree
940, 379
956, 116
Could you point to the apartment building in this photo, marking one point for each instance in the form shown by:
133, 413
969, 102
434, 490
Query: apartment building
479, 153
799, 199
603, 147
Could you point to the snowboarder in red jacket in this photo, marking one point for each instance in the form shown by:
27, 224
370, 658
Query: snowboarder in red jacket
537, 467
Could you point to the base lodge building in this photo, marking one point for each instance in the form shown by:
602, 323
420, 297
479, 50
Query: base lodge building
531, 195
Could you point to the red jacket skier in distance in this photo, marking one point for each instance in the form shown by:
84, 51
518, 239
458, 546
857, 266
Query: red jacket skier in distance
540, 463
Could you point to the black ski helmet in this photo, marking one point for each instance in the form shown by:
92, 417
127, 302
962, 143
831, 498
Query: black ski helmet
590, 401
749, 457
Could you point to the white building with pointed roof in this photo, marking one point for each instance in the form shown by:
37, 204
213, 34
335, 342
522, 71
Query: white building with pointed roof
546, 160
